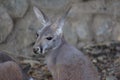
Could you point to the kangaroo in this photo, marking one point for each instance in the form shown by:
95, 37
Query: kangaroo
64, 61
10, 70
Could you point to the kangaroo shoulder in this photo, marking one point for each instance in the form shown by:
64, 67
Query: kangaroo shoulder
69, 54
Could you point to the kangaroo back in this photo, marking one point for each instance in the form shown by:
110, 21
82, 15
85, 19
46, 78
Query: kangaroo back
67, 63
64, 61
10, 70
4, 57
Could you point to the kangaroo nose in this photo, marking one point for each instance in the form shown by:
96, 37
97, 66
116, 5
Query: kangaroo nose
36, 50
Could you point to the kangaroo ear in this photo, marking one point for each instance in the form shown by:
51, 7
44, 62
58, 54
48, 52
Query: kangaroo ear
41, 16
61, 21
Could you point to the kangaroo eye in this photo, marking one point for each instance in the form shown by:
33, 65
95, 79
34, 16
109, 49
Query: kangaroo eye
37, 34
49, 38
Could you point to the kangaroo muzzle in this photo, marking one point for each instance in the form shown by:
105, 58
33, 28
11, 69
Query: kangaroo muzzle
36, 50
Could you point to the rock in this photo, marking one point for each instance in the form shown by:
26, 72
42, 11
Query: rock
116, 32
6, 24
22, 38
52, 8
94, 61
110, 7
117, 67
82, 26
25, 30
102, 27
51, 4
101, 58
69, 33
1, 1
16, 8
90, 7
111, 78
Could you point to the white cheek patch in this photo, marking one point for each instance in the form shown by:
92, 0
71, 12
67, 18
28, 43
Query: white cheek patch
39, 31
31, 78
44, 49
59, 31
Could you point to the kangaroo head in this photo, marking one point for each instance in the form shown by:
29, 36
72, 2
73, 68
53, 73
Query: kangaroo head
50, 36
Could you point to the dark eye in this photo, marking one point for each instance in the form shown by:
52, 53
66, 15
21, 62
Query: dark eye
49, 38
37, 34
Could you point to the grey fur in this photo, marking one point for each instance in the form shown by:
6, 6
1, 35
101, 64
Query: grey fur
64, 61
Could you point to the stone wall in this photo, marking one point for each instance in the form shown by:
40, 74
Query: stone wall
88, 22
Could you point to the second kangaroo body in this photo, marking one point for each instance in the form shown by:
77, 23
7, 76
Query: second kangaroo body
64, 61
11, 70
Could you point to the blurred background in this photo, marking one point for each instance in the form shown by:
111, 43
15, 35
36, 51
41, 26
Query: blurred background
91, 25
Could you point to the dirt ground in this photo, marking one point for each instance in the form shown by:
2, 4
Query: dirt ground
105, 56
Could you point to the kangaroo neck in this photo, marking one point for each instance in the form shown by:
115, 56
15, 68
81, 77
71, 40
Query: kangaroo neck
63, 42
54, 53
